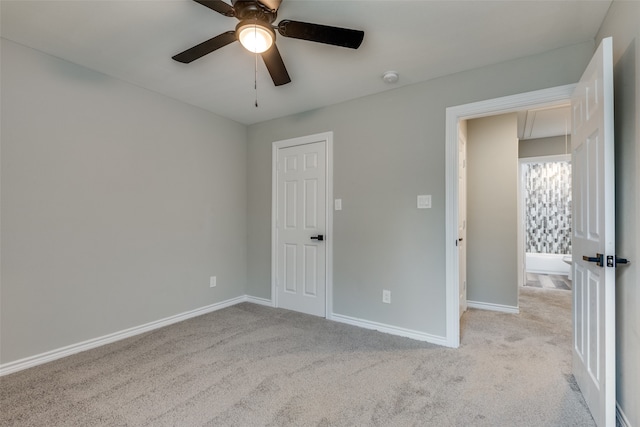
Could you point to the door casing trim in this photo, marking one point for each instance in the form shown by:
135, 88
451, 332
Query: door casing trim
491, 107
327, 138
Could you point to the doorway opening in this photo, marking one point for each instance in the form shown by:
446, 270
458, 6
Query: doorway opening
454, 117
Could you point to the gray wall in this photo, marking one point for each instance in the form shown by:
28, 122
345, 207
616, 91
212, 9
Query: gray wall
389, 148
492, 210
117, 205
623, 23
551, 146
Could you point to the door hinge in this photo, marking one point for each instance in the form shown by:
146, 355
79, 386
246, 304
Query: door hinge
614, 260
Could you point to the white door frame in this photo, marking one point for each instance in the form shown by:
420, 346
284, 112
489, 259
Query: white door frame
327, 138
462, 235
508, 104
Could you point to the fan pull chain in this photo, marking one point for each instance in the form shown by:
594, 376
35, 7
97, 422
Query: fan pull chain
255, 80
255, 75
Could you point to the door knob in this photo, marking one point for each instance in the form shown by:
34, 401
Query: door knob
319, 237
598, 259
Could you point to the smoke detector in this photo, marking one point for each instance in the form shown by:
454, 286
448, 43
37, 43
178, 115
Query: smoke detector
390, 77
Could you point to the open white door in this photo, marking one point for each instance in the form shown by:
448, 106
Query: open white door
594, 236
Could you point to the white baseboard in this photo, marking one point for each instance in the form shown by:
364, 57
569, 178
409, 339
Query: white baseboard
389, 329
260, 301
621, 417
554, 272
493, 307
49, 356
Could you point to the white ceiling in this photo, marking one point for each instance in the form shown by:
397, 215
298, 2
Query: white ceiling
134, 40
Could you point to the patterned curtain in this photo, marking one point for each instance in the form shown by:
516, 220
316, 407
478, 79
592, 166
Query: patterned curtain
548, 207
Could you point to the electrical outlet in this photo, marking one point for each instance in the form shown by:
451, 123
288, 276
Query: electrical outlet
212, 282
386, 296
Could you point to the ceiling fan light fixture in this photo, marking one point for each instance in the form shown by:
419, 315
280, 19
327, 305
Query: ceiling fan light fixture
255, 36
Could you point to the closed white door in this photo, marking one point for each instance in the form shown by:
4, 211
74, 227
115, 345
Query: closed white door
301, 228
594, 236
462, 218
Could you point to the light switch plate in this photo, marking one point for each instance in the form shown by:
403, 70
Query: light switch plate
424, 201
338, 204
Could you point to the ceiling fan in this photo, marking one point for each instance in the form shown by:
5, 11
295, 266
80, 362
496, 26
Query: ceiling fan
257, 34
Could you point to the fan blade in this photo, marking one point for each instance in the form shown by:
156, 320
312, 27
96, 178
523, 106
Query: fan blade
271, 4
275, 65
204, 48
218, 6
321, 33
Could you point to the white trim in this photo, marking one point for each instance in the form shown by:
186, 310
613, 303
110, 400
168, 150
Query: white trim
326, 137
493, 307
49, 356
329, 241
549, 272
521, 232
507, 104
390, 329
260, 301
621, 417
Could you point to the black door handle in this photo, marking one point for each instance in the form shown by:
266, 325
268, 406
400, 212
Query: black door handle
319, 237
598, 259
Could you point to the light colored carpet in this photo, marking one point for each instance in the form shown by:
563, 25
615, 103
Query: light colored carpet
250, 365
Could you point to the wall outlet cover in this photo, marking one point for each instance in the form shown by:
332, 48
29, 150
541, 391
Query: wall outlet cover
386, 296
212, 282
